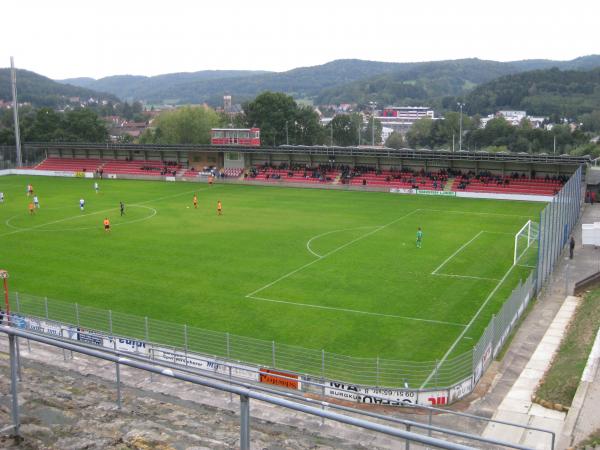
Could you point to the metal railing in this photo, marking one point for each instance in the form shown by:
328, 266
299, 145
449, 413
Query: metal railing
319, 364
247, 391
556, 224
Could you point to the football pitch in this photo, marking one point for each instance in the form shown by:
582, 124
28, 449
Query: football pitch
319, 269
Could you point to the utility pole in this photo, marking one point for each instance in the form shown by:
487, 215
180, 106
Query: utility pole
331, 133
460, 132
372, 124
287, 137
554, 145
13, 77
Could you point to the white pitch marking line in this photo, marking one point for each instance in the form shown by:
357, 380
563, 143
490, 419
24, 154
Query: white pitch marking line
456, 252
475, 212
464, 276
152, 214
355, 311
341, 247
21, 230
331, 232
441, 361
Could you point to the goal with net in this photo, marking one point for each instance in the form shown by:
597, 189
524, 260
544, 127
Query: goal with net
526, 245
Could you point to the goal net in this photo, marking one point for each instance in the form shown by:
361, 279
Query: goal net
526, 245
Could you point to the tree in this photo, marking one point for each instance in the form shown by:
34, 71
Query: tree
368, 134
84, 125
343, 130
307, 129
186, 125
395, 140
591, 121
419, 134
281, 120
270, 112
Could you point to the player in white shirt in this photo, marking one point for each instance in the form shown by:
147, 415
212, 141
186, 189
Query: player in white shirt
81, 203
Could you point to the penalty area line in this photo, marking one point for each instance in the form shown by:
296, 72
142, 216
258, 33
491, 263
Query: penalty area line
464, 331
356, 311
456, 252
335, 250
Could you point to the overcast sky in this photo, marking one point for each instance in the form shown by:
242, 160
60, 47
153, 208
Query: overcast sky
63, 39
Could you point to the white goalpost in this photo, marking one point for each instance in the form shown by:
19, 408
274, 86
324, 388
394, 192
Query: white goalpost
526, 243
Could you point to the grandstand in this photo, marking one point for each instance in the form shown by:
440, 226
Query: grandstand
358, 168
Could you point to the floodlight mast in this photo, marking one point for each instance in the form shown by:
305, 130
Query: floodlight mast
13, 78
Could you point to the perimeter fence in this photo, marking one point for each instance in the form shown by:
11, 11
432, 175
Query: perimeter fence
556, 224
30, 156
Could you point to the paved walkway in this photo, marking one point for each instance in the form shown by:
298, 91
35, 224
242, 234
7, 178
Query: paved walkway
517, 406
513, 375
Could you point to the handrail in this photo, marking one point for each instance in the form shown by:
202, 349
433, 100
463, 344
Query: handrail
324, 404
244, 393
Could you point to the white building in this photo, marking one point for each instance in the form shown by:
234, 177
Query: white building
514, 118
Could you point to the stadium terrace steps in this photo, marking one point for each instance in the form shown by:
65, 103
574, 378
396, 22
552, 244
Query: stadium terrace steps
138, 167
72, 165
381, 178
292, 176
514, 186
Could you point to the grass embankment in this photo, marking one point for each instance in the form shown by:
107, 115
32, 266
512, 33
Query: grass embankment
562, 379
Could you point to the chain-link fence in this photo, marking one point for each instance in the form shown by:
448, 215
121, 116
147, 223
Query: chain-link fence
30, 156
316, 363
556, 223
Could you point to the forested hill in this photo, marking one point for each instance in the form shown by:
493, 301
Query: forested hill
568, 93
159, 87
438, 83
44, 92
210, 86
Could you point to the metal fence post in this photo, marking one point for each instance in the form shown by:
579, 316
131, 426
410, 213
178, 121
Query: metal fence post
430, 421
118, 373
77, 314
407, 445
227, 344
110, 325
273, 354
493, 333
377, 372
244, 422
46, 306
147, 332
13, 384
18, 358
323, 383
18, 303
185, 343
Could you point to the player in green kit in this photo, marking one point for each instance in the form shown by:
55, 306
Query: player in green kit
419, 237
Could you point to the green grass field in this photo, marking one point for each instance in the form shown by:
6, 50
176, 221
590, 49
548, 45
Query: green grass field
319, 269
